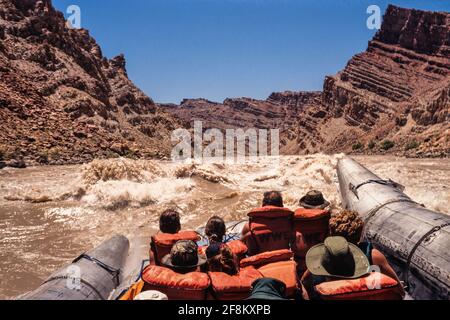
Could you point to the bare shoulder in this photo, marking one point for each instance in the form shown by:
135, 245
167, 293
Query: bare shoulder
378, 257
246, 229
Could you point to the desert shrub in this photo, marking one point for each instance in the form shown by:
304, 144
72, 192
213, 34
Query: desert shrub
371, 145
54, 153
387, 145
131, 154
43, 157
111, 154
412, 145
357, 146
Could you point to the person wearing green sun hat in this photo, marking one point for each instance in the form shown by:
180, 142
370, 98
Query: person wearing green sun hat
334, 259
184, 257
337, 258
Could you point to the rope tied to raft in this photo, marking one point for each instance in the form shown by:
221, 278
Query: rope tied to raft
389, 182
374, 211
112, 271
424, 238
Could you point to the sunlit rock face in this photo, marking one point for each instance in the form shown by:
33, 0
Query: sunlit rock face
398, 89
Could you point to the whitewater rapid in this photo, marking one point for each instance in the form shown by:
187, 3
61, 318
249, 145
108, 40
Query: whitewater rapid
49, 215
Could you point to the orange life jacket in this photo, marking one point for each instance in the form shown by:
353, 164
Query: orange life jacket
311, 227
162, 243
133, 291
190, 286
237, 247
375, 286
271, 228
267, 257
238, 287
284, 271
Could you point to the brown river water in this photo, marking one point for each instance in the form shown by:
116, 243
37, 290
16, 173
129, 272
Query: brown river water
49, 215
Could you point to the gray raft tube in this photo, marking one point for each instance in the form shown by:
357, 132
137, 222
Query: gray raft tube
92, 276
415, 240
105, 272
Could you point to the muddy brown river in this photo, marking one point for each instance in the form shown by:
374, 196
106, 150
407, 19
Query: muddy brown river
49, 215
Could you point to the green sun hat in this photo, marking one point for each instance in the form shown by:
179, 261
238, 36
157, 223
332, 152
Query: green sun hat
338, 258
268, 289
184, 255
314, 200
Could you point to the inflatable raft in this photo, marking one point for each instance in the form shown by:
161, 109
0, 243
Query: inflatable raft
91, 276
414, 239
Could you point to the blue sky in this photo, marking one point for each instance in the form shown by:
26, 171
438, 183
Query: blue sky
216, 49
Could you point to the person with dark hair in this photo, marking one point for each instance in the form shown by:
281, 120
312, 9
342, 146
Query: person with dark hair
216, 234
215, 229
220, 258
273, 198
170, 233
268, 289
169, 222
269, 227
311, 225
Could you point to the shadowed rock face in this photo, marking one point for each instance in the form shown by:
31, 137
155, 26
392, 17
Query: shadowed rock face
399, 89
62, 101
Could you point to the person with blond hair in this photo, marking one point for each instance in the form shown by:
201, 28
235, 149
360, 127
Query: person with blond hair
349, 225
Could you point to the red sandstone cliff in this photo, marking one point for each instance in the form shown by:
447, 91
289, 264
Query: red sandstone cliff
62, 101
397, 91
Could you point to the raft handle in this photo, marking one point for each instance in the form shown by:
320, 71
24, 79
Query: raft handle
114, 272
389, 182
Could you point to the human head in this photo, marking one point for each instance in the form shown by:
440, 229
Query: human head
184, 257
169, 221
273, 198
314, 200
337, 258
225, 261
215, 229
347, 224
268, 289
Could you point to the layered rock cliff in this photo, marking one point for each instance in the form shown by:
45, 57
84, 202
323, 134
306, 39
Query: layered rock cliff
393, 98
62, 101
398, 89
278, 111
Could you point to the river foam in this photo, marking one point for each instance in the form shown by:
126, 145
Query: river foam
49, 215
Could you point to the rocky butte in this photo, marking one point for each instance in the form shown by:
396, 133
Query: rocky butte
62, 101
393, 98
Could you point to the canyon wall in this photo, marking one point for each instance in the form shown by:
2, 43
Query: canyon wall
392, 98
62, 101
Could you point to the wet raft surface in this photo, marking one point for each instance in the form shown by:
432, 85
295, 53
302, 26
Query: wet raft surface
92, 276
415, 239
